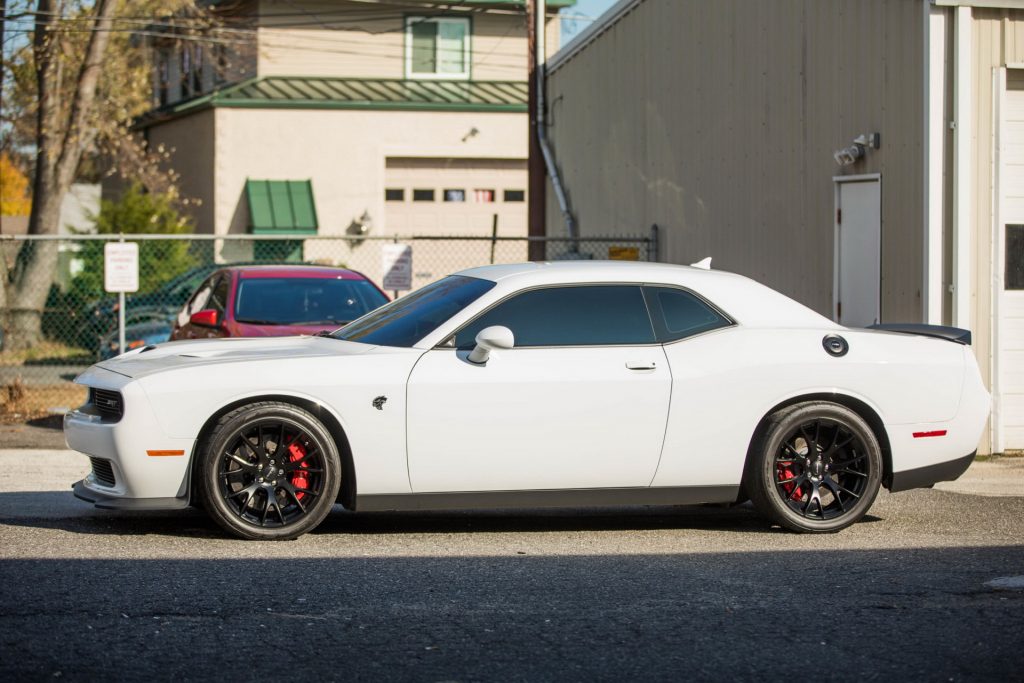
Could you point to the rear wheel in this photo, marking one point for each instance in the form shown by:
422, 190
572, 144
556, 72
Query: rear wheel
817, 468
270, 471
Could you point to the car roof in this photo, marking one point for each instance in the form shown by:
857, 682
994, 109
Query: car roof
296, 271
632, 271
745, 300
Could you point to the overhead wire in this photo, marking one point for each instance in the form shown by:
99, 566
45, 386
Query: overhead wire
147, 27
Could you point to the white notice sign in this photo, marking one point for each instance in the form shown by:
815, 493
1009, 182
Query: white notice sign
397, 267
121, 266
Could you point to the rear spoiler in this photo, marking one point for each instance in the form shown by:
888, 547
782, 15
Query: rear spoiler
953, 334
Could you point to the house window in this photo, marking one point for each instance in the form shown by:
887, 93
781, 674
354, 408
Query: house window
186, 71
163, 78
437, 47
515, 195
1014, 278
394, 195
220, 67
483, 196
197, 72
455, 195
423, 195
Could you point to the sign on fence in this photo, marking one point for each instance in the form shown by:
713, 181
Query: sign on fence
396, 264
616, 253
121, 266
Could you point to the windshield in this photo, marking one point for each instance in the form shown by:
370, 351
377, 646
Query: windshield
405, 321
304, 301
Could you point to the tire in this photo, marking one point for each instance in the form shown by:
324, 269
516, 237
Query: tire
816, 468
269, 471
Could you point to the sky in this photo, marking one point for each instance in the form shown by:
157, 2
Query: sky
581, 16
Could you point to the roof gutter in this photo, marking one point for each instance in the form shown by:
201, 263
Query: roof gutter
542, 135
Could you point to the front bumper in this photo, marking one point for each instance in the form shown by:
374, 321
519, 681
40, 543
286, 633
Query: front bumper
139, 464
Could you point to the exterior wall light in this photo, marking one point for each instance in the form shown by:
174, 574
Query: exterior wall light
360, 227
861, 144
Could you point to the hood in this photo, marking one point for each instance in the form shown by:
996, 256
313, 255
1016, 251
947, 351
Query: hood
190, 353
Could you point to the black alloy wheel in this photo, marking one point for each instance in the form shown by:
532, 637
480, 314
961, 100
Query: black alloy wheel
271, 471
818, 468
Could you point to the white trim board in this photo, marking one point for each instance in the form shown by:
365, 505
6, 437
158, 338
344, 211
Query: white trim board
997, 4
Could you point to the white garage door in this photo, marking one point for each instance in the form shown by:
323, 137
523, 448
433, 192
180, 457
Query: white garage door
1011, 305
456, 197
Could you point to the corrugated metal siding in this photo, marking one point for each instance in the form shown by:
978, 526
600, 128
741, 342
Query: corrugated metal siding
717, 121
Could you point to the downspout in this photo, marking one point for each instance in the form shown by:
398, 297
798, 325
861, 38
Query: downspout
542, 135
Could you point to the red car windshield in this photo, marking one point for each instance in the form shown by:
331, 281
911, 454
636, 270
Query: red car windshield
304, 301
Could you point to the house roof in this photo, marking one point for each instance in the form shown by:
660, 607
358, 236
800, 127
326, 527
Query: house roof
305, 92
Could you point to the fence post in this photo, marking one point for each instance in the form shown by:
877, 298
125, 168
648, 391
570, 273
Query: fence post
394, 293
120, 314
652, 244
494, 236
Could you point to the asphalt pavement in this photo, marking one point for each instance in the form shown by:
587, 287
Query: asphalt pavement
929, 586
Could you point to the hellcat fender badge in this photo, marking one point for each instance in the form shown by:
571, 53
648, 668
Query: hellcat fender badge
379, 402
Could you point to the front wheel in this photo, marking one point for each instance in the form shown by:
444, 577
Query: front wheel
270, 471
817, 468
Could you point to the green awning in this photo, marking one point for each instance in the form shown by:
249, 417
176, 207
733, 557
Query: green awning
281, 207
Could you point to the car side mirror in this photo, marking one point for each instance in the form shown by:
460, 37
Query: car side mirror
205, 318
489, 339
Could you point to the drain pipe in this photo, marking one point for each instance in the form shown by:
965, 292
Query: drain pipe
542, 136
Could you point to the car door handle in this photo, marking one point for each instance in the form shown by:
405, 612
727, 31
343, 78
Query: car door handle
640, 364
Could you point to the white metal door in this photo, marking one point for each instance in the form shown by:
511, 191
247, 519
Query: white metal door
537, 418
1011, 262
858, 259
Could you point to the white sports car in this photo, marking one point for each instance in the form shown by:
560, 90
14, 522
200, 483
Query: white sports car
542, 384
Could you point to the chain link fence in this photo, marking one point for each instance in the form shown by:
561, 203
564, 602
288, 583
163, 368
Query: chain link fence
80, 320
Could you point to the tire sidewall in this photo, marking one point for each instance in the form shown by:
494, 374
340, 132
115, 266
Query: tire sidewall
228, 430
765, 484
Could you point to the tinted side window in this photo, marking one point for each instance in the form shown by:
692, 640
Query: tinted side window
196, 303
219, 298
678, 314
569, 316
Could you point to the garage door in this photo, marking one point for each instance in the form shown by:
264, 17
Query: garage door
456, 197
1011, 305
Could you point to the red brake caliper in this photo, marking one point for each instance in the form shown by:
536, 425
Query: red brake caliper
785, 473
299, 478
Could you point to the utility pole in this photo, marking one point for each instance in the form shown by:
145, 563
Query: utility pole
537, 185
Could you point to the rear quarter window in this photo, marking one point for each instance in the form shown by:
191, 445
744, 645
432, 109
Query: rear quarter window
678, 313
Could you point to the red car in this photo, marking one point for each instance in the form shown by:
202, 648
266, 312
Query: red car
275, 301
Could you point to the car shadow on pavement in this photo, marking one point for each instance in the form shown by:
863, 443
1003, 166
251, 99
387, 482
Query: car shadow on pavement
61, 510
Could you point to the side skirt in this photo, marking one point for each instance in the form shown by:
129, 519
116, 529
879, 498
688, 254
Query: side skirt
554, 498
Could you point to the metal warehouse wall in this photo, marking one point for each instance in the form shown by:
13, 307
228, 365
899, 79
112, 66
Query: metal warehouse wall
717, 121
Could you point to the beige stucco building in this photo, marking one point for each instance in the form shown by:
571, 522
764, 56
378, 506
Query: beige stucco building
340, 117
864, 156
